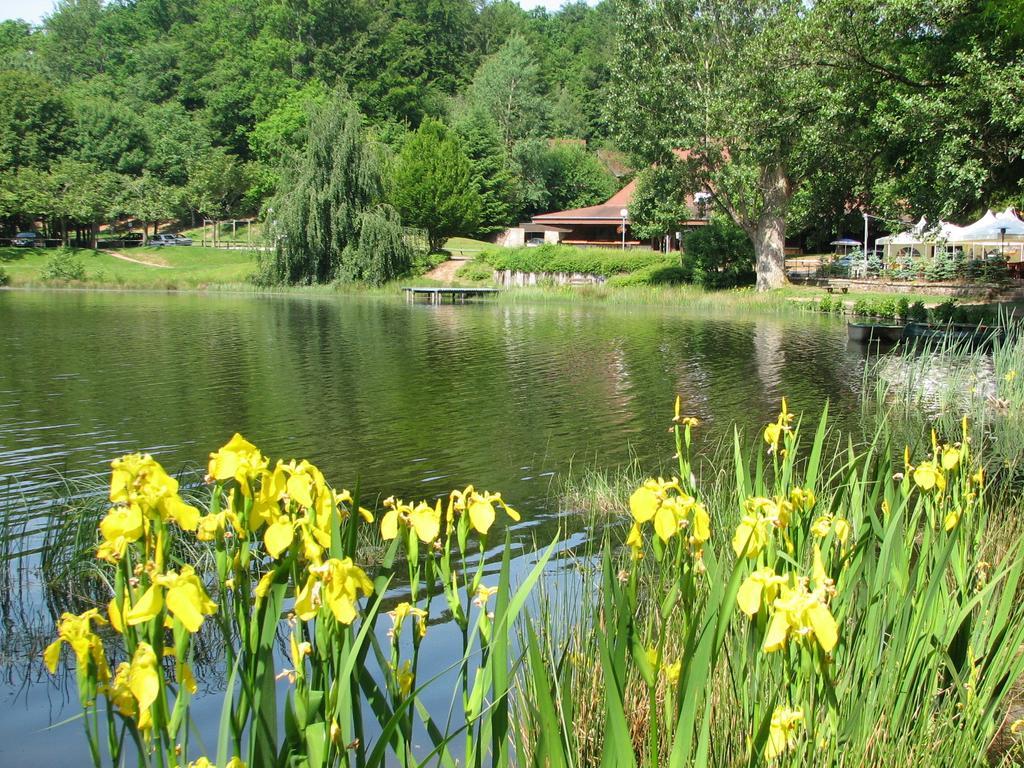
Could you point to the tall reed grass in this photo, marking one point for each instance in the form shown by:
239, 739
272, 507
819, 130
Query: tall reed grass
847, 609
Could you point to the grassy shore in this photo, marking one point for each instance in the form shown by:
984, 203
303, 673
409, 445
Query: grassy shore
205, 268
177, 267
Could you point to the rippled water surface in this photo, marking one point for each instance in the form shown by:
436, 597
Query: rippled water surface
404, 399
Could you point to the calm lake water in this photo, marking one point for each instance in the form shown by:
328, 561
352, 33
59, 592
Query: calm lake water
410, 400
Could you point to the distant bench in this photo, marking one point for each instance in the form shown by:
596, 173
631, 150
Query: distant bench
436, 295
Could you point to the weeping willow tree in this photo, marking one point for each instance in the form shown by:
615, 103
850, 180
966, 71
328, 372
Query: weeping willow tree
328, 219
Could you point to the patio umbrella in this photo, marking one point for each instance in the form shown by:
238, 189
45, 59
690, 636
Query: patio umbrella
846, 243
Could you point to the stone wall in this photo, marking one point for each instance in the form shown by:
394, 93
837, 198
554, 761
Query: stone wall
958, 290
509, 278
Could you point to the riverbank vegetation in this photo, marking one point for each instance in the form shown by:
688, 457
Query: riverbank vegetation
854, 602
116, 121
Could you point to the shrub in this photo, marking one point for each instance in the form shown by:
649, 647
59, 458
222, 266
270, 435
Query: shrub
4, 277
475, 272
861, 307
903, 307
63, 266
565, 258
917, 313
667, 273
423, 262
720, 255
944, 312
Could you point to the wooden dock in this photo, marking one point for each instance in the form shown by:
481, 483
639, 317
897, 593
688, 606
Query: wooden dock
436, 295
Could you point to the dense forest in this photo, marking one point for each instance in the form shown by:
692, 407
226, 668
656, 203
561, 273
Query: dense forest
178, 109
796, 118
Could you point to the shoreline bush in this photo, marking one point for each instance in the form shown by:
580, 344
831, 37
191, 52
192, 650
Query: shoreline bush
549, 257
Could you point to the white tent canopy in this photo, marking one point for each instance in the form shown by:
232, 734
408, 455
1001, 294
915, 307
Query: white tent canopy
992, 228
994, 233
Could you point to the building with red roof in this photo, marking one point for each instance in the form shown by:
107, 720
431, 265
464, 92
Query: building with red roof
602, 225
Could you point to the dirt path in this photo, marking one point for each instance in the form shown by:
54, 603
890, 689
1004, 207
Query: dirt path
445, 272
122, 257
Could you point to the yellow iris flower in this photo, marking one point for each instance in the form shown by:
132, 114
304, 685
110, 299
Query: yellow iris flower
120, 694
184, 595
335, 584
950, 457
402, 611
123, 522
144, 682
760, 588
782, 733
204, 762
802, 498
405, 678
671, 513
238, 459
479, 507
801, 615
928, 475
216, 524
137, 479
77, 632
827, 524
684, 421
635, 541
752, 535
423, 519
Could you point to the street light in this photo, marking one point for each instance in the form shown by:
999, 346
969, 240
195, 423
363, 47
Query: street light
1002, 237
623, 214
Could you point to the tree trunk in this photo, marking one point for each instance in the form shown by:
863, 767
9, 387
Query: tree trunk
94, 230
770, 234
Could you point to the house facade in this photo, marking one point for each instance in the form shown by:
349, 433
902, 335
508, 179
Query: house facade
605, 225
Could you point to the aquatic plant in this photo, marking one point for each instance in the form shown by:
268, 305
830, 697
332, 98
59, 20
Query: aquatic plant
312, 595
851, 612
811, 604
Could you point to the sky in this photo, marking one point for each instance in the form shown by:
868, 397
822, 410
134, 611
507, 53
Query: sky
33, 10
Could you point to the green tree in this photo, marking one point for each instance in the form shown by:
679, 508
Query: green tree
733, 85
419, 56
937, 85
33, 122
660, 201
110, 135
73, 47
327, 219
560, 176
508, 85
87, 195
215, 183
492, 170
432, 184
151, 201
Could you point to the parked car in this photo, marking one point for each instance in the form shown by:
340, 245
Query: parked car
27, 240
170, 239
533, 242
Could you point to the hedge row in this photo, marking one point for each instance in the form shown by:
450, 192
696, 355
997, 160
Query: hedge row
564, 258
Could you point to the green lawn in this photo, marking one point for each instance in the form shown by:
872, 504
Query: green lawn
465, 246
172, 267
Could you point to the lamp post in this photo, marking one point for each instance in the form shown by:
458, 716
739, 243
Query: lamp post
623, 214
1002, 238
